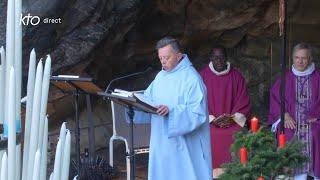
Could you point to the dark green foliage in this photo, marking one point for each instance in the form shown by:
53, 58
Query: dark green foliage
264, 157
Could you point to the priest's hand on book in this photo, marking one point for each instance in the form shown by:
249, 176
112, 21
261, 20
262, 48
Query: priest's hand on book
223, 121
162, 110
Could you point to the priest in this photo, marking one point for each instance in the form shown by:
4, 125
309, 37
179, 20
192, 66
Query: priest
228, 104
180, 139
302, 110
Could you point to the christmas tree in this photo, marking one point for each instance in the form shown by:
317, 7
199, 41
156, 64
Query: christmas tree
265, 158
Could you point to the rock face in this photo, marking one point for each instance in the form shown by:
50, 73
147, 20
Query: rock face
105, 39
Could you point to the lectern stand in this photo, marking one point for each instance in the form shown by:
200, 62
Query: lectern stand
79, 85
132, 104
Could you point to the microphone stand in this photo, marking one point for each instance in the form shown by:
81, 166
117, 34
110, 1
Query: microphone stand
126, 76
130, 113
131, 153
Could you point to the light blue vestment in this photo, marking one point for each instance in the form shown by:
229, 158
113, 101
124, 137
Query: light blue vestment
180, 142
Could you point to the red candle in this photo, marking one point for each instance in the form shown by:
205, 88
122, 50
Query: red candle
243, 155
261, 178
254, 125
282, 140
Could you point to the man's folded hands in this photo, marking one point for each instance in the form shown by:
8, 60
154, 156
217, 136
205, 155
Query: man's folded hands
223, 121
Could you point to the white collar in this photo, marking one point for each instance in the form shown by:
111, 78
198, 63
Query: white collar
306, 72
221, 72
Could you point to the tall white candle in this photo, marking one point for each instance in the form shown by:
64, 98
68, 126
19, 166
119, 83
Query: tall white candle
1, 155
51, 176
35, 120
2, 83
18, 64
4, 167
18, 162
44, 98
9, 55
11, 126
36, 166
28, 117
57, 162
66, 157
62, 138
18, 81
43, 172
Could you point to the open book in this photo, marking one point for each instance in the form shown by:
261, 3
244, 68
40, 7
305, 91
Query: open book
124, 93
141, 101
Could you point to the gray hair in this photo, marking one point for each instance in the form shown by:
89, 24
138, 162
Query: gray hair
168, 41
305, 46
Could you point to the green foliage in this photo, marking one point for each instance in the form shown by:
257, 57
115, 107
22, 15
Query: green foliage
264, 157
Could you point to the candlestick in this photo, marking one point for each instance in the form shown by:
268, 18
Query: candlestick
254, 125
57, 162
243, 155
282, 140
51, 176
10, 30
18, 78
18, 161
35, 120
28, 118
43, 172
11, 126
2, 83
66, 157
1, 155
4, 166
36, 166
62, 138
18, 65
44, 99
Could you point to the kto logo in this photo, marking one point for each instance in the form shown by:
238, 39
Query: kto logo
26, 20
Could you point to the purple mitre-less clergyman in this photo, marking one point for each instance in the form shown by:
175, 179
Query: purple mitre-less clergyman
302, 100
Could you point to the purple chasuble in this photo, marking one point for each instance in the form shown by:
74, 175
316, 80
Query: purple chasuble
302, 95
226, 94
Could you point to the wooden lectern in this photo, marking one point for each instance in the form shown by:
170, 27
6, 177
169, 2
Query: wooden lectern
76, 85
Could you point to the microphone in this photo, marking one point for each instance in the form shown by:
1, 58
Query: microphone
126, 76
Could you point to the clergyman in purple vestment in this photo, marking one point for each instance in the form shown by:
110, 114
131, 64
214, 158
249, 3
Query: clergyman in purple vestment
228, 100
302, 100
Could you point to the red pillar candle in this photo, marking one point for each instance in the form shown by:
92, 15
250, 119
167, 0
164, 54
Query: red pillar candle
243, 155
261, 178
282, 140
254, 125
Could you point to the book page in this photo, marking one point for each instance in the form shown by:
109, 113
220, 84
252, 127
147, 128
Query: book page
67, 76
120, 94
123, 92
144, 99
